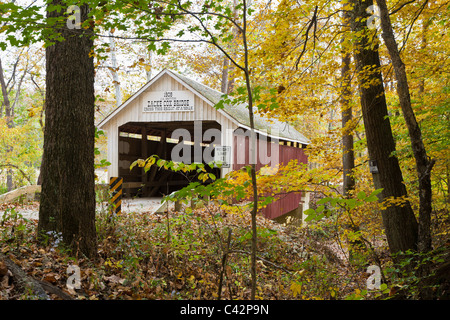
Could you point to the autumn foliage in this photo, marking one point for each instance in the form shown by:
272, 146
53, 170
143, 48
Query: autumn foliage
291, 54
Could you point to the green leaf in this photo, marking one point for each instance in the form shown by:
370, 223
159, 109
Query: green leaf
311, 214
249, 170
361, 195
376, 192
371, 199
324, 200
351, 203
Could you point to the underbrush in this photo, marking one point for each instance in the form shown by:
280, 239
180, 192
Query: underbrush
181, 255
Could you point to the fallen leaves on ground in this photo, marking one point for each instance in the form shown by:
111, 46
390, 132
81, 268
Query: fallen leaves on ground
178, 255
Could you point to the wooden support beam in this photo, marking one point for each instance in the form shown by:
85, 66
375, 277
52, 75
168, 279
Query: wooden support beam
134, 185
14, 194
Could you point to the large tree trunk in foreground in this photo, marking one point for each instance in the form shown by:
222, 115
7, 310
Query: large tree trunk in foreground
68, 197
399, 221
423, 165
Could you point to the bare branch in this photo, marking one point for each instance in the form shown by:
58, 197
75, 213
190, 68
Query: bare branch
412, 24
401, 6
9, 165
313, 22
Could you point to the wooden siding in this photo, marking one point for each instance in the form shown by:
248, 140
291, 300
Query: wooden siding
285, 203
202, 110
285, 153
282, 205
133, 112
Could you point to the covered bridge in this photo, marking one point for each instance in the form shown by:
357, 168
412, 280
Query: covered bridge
174, 117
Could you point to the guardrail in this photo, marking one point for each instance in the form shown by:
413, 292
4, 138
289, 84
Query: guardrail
12, 195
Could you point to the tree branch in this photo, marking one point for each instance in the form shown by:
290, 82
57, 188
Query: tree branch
9, 165
401, 6
262, 259
313, 22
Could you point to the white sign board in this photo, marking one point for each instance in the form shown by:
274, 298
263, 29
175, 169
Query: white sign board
169, 101
222, 154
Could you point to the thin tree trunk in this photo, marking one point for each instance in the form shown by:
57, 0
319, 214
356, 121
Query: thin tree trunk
423, 165
149, 71
68, 197
226, 250
114, 73
5, 101
252, 147
348, 156
231, 68
9, 180
8, 116
224, 83
399, 221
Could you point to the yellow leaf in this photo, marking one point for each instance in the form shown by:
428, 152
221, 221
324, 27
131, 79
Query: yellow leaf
296, 288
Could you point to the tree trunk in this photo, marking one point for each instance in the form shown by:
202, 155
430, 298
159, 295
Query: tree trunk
252, 152
399, 221
9, 180
8, 116
348, 156
68, 198
230, 73
113, 70
5, 101
224, 83
423, 165
27, 283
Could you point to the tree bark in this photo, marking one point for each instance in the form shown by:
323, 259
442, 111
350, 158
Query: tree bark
24, 280
8, 116
399, 221
252, 152
5, 101
68, 197
230, 71
348, 157
224, 82
423, 165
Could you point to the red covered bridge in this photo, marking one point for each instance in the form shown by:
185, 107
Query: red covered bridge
174, 117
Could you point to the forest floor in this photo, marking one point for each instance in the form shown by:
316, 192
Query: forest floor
179, 255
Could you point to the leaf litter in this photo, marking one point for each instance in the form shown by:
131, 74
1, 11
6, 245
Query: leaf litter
178, 255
